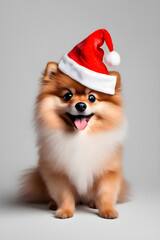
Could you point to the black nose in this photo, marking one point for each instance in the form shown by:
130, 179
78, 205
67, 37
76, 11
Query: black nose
81, 106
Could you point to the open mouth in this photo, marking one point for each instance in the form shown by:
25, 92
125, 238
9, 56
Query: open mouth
80, 121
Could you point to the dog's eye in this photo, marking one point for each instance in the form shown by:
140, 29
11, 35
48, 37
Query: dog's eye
68, 96
91, 98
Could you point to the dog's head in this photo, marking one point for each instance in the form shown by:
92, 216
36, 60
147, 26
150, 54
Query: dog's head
64, 104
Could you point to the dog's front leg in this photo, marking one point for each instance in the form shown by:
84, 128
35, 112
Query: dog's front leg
107, 191
60, 190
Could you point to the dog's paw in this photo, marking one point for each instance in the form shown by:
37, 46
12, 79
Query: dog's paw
109, 213
64, 213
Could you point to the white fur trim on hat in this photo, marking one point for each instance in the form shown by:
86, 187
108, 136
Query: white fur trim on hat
112, 59
97, 81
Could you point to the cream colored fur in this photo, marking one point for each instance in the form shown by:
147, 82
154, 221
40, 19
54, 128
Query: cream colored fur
80, 156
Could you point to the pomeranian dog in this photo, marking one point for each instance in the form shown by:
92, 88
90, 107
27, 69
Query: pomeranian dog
80, 135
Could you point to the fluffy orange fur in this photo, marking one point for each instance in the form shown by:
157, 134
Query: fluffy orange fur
45, 183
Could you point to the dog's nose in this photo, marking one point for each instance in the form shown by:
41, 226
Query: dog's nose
80, 106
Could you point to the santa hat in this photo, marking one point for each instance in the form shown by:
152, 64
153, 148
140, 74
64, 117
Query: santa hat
84, 63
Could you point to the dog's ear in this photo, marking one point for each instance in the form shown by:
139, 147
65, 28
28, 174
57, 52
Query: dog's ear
50, 71
118, 82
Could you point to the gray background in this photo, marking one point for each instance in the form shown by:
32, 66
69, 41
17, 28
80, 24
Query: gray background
35, 32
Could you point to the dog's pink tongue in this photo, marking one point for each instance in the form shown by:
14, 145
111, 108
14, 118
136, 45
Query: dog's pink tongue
80, 123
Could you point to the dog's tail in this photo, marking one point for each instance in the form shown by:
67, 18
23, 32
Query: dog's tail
32, 187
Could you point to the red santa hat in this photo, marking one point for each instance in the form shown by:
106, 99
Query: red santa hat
84, 63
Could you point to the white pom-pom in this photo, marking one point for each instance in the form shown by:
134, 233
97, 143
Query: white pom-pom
112, 59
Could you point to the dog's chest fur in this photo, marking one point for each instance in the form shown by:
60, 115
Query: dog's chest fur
80, 156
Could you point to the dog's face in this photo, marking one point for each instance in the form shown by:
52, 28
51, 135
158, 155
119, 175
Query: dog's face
64, 104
